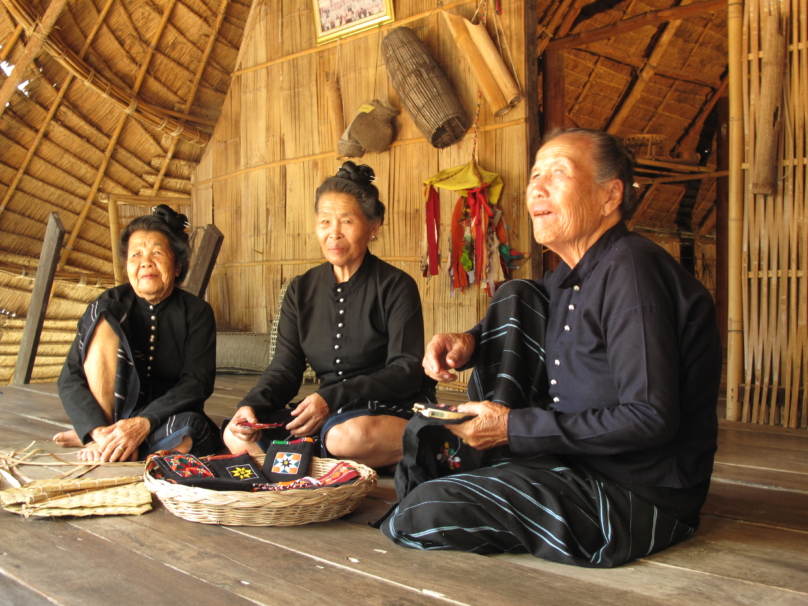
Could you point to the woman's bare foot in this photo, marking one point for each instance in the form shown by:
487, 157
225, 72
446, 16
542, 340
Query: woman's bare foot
91, 452
68, 439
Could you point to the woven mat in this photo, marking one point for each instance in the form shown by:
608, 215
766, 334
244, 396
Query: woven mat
110, 496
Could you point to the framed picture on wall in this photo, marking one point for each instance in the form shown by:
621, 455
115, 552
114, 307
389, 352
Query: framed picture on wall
337, 18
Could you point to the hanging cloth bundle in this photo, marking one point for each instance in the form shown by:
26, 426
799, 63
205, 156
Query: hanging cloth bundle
479, 238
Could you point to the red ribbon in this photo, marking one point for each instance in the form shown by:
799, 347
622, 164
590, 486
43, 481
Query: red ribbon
432, 227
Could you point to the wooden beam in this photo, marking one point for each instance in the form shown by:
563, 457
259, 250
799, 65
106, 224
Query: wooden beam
114, 236
692, 135
650, 18
196, 282
532, 115
214, 32
88, 202
148, 200
682, 168
39, 300
35, 43
678, 178
645, 74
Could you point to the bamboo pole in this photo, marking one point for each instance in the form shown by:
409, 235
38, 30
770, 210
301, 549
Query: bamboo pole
114, 139
735, 312
335, 102
482, 74
35, 43
9, 45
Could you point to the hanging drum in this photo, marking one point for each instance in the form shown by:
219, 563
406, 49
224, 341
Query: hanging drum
423, 88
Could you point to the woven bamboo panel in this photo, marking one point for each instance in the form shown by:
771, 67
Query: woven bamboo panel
275, 145
775, 255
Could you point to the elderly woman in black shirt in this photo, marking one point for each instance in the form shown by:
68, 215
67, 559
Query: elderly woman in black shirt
144, 360
357, 320
593, 393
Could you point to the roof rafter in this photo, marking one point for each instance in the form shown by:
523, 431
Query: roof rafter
684, 10
9, 45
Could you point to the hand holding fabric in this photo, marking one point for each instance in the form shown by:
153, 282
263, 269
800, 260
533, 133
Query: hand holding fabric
489, 428
245, 414
445, 352
309, 415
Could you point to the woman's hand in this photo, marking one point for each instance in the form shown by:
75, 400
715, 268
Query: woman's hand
245, 414
487, 430
309, 415
117, 442
447, 351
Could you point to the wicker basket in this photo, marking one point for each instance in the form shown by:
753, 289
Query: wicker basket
285, 508
423, 88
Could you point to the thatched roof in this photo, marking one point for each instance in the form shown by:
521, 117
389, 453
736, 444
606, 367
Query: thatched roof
124, 95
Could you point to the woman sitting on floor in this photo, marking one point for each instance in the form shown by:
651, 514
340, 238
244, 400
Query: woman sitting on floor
358, 322
144, 360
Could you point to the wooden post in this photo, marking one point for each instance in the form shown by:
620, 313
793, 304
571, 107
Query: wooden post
114, 236
196, 282
39, 300
553, 90
735, 210
532, 116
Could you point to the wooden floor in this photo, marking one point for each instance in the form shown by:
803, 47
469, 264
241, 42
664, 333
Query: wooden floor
752, 547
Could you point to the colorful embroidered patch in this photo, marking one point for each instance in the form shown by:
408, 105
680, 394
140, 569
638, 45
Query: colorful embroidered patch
448, 456
242, 472
187, 466
286, 462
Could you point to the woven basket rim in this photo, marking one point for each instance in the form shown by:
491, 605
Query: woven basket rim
265, 508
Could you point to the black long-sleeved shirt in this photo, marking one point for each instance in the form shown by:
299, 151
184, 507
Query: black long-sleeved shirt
633, 358
364, 338
176, 369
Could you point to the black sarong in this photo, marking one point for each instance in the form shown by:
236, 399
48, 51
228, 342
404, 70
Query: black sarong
555, 508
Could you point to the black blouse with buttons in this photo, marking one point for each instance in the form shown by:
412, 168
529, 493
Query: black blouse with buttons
633, 359
173, 345
364, 338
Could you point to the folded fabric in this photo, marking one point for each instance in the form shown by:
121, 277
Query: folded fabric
341, 473
288, 461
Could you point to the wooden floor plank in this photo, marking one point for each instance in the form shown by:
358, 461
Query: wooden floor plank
725, 562
74, 567
782, 508
15, 593
245, 567
462, 577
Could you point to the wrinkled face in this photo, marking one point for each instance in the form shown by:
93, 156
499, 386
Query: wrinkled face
150, 265
569, 210
343, 232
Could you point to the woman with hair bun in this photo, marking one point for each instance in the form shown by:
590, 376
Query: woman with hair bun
144, 361
357, 320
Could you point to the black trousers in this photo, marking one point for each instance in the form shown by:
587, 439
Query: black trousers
555, 508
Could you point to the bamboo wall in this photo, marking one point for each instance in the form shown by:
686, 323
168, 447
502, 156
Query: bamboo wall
775, 234
274, 145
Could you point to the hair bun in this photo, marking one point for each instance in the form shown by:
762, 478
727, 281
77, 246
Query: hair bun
175, 220
361, 174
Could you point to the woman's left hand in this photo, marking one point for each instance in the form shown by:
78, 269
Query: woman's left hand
488, 429
309, 415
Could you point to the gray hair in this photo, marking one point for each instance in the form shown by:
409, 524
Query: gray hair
356, 181
612, 161
177, 240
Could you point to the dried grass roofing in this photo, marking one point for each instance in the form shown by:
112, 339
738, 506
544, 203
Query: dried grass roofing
147, 160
